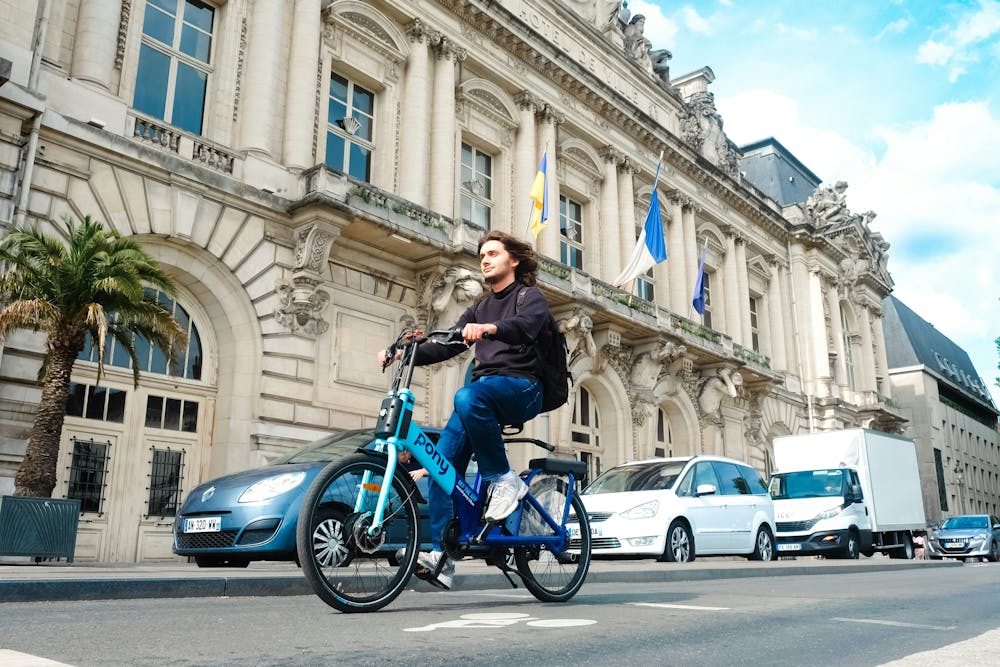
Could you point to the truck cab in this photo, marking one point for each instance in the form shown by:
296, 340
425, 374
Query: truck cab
821, 512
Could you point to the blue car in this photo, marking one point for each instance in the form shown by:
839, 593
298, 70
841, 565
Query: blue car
251, 515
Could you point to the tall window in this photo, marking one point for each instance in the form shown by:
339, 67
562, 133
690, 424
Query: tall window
87, 469
172, 78
664, 437
754, 325
187, 365
350, 121
477, 186
571, 232
707, 317
644, 286
585, 431
848, 348
164, 482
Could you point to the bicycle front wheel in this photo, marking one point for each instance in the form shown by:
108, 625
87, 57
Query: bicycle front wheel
347, 566
555, 577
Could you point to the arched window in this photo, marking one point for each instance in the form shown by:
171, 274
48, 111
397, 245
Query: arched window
585, 431
187, 366
664, 443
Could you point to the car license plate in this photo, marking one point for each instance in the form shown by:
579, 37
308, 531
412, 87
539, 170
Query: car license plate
203, 524
595, 531
789, 547
953, 545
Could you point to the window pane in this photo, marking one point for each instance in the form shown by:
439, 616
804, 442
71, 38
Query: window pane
195, 43
95, 402
158, 361
189, 98
86, 474
335, 110
189, 423
158, 25
116, 405
151, 82
338, 87
334, 151
194, 355
363, 100
360, 162
172, 414
168, 5
77, 395
164, 483
365, 129
120, 357
142, 352
154, 411
199, 14
466, 208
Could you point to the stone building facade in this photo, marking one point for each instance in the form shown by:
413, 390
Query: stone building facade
316, 174
951, 416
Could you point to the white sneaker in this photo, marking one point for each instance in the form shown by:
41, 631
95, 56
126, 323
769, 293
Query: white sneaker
427, 562
505, 493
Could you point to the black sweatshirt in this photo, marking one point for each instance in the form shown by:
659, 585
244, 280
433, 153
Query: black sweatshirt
510, 351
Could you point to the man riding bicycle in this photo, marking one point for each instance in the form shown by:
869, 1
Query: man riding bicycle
505, 387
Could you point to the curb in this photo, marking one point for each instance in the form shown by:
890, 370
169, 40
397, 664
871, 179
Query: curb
124, 588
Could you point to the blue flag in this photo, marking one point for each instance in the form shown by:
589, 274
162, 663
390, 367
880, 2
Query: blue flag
650, 247
699, 286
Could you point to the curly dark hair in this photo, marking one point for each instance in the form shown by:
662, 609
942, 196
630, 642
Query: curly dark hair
527, 267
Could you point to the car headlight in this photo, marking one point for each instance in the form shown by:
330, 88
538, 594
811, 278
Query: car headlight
982, 537
644, 511
828, 514
268, 488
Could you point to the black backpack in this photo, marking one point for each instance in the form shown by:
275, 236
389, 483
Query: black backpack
553, 355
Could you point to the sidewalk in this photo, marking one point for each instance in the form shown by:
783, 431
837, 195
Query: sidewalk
28, 582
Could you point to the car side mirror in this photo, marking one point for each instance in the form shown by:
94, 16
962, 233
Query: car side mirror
705, 490
855, 494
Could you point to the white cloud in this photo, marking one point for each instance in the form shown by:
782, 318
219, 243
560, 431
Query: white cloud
695, 22
897, 27
660, 30
958, 45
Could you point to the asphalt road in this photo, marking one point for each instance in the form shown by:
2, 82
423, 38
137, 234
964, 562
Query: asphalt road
848, 618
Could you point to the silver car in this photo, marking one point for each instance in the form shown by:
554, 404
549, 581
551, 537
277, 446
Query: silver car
967, 536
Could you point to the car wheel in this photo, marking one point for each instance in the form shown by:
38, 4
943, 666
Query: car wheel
220, 561
329, 539
763, 548
904, 552
994, 553
680, 544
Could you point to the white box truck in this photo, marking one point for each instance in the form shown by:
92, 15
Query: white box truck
844, 493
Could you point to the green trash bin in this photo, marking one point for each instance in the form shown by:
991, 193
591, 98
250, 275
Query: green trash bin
38, 527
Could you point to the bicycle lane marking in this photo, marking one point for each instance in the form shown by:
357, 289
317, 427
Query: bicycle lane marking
500, 620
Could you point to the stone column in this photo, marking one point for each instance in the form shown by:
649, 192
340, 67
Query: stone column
880, 357
776, 318
261, 120
867, 361
610, 262
548, 239
743, 284
792, 339
816, 330
840, 375
732, 290
414, 140
96, 40
443, 124
626, 212
675, 258
300, 100
527, 160
689, 255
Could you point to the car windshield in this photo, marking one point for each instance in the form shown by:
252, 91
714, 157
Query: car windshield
328, 448
966, 523
641, 477
807, 484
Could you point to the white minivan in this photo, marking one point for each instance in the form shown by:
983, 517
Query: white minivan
675, 508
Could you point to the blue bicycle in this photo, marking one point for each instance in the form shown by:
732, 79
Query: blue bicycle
368, 560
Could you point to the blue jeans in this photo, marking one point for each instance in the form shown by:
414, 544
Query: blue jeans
481, 408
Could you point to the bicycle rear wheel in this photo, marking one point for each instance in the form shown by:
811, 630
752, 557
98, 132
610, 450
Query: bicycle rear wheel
347, 568
555, 577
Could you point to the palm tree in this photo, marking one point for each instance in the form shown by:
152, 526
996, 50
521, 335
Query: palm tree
94, 282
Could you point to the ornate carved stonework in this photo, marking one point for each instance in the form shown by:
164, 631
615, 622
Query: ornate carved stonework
714, 387
300, 303
578, 329
241, 56
123, 18
441, 290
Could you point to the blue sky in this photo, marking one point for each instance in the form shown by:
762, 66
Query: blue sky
900, 98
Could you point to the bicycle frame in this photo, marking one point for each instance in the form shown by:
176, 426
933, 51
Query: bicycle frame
396, 431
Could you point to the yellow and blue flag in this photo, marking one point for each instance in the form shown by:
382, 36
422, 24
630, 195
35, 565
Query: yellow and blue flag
540, 199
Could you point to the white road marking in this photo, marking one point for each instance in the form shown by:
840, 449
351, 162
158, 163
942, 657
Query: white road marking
501, 620
896, 624
689, 607
10, 658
